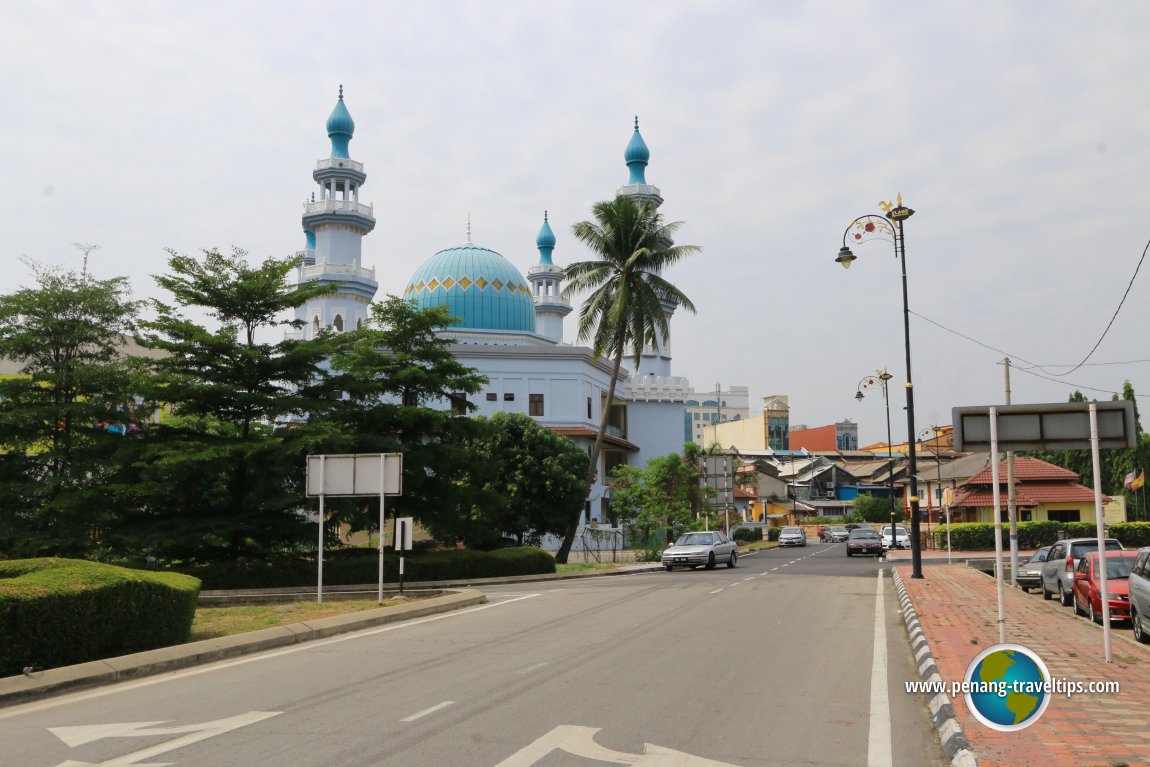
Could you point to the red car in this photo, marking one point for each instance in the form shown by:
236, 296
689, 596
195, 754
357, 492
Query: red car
1087, 589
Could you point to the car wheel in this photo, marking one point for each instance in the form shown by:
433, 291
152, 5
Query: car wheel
1063, 597
1139, 631
669, 567
1094, 618
734, 558
711, 561
1078, 610
1046, 592
848, 552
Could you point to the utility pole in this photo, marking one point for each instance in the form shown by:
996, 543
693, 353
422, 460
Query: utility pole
1011, 501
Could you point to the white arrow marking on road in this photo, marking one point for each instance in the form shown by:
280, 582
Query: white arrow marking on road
82, 734
580, 741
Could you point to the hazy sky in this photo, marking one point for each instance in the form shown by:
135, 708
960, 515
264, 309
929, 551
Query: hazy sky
1018, 131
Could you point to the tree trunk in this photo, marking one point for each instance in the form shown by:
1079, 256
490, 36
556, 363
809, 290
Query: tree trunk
593, 464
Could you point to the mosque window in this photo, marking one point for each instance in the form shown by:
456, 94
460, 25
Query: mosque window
509, 396
315, 324
492, 396
359, 324
588, 407
535, 404
337, 323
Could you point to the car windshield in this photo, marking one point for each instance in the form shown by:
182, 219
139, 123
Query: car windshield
1038, 556
695, 539
790, 530
1079, 550
838, 530
1119, 569
863, 533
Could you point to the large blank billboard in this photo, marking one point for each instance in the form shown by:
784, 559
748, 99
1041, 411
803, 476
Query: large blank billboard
1058, 426
355, 474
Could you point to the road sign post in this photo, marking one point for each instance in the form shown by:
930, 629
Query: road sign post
1059, 426
402, 541
354, 474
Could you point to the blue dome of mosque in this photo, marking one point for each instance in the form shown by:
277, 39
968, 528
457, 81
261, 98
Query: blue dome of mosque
340, 127
480, 287
637, 148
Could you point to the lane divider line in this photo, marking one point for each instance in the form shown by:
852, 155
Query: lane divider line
426, 711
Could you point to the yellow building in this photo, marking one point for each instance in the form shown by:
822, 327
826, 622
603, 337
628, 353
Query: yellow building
1043, 492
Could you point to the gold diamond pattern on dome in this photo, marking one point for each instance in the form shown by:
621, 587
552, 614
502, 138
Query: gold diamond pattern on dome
433, 285
497, 284
448, 284
481, 282
465, 282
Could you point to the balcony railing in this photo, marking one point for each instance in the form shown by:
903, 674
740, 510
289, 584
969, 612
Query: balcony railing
337, 206
338, 162
310, 272
551, 300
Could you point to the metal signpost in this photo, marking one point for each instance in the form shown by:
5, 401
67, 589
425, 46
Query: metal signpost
402, 542
1060, 426
355, 474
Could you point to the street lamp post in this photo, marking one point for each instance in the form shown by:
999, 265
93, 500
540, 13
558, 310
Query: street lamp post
890, 226
936, 505
881, 378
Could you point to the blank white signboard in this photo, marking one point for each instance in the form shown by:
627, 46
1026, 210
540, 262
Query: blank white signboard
355, 474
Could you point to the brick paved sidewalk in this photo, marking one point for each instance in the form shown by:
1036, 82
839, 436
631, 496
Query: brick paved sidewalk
958, 610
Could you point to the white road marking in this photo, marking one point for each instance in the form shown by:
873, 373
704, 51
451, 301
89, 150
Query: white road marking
736, 583
192, 733
531, 668
256, 658
879, 753
762, 573
426, 711
773, 569
580, 741
717, 591
749, 577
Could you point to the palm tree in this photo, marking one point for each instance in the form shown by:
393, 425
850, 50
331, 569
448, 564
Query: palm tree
625, 311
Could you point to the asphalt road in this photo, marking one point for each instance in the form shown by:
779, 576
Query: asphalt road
772, 663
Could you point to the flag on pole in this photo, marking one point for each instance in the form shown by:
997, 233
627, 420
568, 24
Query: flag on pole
1129, 479
1138, 483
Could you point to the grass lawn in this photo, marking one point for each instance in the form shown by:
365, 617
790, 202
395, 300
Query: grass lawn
579, 567
211, 622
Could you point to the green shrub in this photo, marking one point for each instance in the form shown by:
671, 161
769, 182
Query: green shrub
979, 536
747, 534
56, 612
350, 567
773, 533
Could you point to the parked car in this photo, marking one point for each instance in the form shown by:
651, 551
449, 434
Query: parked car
1058, 569
792, 536
901, 537
864, 541
836, 534
707, 549
1139, 585
1030, 572
1088, 585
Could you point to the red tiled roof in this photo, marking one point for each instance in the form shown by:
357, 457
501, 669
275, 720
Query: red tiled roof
1026, 494
1025, 469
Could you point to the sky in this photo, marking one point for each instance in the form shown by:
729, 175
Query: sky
1019, 132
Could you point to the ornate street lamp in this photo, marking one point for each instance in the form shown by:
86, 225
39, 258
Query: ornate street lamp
880, 378
890, 226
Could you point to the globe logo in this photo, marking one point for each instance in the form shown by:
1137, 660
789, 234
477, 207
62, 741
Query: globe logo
1007, 687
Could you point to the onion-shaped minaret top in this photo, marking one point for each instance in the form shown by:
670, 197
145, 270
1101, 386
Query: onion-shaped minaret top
637, 156
340, 128
545, 241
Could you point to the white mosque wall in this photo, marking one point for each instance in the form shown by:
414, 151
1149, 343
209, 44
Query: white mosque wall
657, 429
339, 243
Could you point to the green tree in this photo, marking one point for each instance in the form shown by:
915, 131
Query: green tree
537, 477
624, 312
65, 414
872, 508
223, 477
406, 392
660, 501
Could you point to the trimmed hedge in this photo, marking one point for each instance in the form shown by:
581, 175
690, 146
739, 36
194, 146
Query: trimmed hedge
747, 534
979, 536
56, 612
349, 567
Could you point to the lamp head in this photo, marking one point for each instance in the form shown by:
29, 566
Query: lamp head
859, 395
845, 257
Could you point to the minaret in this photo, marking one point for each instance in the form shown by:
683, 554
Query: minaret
335, 225
546, 288
655, 360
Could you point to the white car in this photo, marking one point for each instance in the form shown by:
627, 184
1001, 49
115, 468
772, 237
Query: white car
792, 536
901, 538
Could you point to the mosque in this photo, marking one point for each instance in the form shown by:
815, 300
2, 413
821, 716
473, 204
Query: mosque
511, 327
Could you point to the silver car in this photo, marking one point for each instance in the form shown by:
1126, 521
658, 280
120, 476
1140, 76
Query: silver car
707, 549
1058, 569
1030, 572
792, 536
1140, 596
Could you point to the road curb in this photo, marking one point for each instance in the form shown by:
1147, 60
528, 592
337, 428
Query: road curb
43, 684
954, 744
